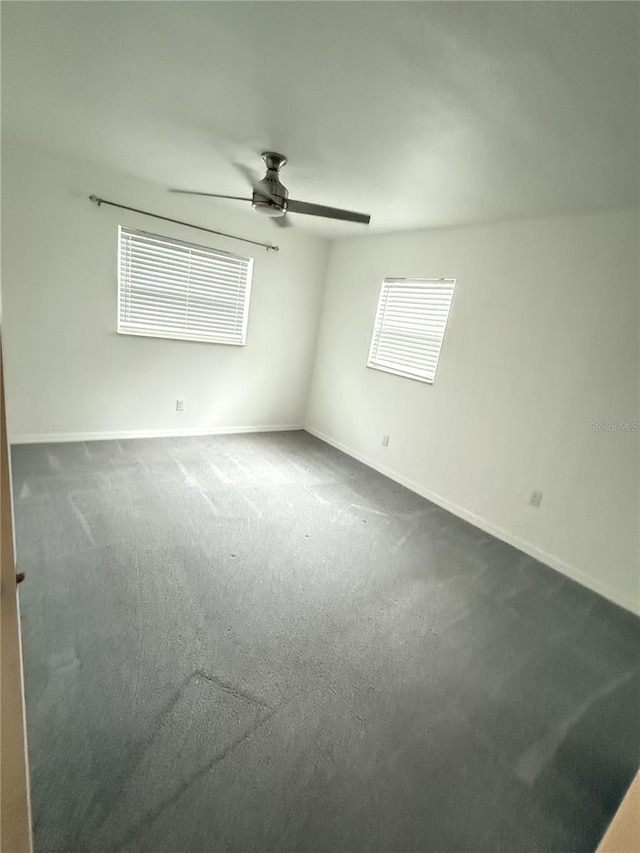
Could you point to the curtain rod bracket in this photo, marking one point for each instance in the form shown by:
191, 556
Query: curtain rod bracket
100, 201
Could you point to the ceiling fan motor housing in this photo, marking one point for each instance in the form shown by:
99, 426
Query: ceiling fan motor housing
269, 195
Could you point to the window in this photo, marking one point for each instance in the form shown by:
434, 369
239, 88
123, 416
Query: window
171, 289
409, 327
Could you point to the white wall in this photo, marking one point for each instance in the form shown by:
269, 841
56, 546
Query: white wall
67, 370
542, 342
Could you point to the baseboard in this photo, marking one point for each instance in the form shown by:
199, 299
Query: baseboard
59, 437
523, 545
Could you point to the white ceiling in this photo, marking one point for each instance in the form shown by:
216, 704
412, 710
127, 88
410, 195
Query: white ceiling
420, 113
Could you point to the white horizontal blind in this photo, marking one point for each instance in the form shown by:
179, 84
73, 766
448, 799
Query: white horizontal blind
171, 289
409, 327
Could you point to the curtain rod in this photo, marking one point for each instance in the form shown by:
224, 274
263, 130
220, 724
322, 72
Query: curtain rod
99, 201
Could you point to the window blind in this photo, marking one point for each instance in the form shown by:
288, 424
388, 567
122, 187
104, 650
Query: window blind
409, 326
172, 289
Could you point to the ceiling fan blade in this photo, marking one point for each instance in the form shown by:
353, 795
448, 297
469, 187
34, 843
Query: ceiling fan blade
210, 195
330, 212
249, 175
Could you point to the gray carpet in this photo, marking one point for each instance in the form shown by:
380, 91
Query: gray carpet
255, 643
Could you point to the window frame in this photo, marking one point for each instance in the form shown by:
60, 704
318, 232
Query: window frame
375, 333
178, 335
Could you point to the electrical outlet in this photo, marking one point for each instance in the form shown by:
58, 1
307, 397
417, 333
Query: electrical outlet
535, 498
179, 405
385, 441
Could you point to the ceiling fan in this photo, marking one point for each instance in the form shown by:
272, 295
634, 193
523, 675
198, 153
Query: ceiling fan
271, 197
